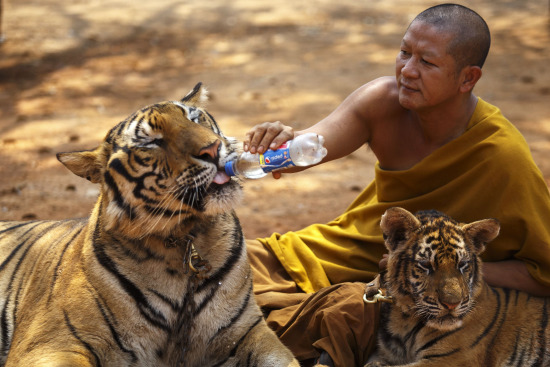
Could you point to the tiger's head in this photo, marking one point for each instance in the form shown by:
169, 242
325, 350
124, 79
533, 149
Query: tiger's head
434, 268
159, 167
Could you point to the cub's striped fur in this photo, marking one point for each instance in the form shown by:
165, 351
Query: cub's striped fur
125, 286
444, 314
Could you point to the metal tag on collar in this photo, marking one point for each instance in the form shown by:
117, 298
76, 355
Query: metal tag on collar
378, 297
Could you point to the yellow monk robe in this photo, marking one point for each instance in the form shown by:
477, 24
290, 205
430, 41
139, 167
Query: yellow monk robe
488, 172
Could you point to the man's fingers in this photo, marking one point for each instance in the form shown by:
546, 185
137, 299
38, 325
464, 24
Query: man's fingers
267, 135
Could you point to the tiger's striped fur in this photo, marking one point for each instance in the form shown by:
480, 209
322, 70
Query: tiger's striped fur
444, 314
122, 287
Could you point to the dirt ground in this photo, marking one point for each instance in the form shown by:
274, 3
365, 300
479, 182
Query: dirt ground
69, 70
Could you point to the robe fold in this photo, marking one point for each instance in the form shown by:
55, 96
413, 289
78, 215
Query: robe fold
487, 172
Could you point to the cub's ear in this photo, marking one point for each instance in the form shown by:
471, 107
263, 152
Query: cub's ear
84, 164
482, 232
197, 97
396, 224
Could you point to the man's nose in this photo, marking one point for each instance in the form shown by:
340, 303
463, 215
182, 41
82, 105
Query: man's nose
410, 68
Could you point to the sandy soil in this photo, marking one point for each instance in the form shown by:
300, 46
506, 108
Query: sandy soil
71, 70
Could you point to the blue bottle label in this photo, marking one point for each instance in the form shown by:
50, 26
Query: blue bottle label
273, 160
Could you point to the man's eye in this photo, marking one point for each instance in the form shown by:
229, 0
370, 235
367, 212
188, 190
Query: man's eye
427, 62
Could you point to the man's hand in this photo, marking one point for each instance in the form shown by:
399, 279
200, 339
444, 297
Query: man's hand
267, 135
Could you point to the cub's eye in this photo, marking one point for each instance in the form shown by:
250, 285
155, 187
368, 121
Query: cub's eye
463, 265
425, 265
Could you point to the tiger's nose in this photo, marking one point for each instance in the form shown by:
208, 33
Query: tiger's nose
210, 152
450, 306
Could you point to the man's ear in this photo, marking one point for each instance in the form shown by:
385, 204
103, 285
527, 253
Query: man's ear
470, 76
85, 164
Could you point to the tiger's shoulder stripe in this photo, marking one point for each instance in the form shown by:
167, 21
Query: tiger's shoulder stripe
498, 327
86, 345
236, 316
146, 309
68, 243
239, 342
110, 321
496, 313
235, 252
436, 340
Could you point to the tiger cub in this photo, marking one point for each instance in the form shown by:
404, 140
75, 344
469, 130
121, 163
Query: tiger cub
444, 314
157, 275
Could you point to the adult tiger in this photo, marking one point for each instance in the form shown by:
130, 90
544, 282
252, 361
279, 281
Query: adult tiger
157, 276
443, 312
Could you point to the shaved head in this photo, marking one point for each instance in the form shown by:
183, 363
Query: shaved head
471, 38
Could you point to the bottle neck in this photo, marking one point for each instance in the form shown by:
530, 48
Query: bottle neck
230, 168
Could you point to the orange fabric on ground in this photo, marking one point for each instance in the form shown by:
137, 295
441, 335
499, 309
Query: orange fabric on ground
334, 319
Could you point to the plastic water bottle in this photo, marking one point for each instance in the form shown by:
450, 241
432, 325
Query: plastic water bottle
304, 150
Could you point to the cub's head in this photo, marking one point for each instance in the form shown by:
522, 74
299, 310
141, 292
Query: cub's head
159, 167
434, 269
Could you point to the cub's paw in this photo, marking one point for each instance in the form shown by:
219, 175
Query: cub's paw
374, 364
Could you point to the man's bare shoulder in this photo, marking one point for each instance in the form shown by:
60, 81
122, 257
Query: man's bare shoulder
378, 100
383, 87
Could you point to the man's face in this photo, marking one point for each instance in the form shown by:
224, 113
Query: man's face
425, 72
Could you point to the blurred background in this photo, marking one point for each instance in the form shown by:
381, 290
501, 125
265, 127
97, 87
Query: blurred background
70, 70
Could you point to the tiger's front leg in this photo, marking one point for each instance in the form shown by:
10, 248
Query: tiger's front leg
37, 358
263, 348
421, 363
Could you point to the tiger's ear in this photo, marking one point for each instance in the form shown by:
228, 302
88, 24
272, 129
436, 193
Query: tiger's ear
197, 96
482, 232
396, 223
84, 164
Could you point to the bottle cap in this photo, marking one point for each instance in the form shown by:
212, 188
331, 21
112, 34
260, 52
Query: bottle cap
229, 168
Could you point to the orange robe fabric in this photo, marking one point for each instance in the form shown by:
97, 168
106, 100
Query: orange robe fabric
488, 172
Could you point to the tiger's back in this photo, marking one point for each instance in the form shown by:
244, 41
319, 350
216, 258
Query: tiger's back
158, 274
444, 314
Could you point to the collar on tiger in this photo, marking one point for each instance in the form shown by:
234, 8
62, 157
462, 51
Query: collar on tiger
374, 292
192, 260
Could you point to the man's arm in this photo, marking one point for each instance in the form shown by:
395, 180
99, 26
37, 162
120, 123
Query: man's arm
345, 130
513, 274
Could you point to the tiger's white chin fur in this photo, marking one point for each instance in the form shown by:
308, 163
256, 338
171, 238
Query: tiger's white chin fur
222, 198
445, 323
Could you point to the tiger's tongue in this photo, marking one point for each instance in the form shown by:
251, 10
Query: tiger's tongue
221, 178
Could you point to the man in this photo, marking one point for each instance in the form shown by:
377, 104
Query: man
438, 147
